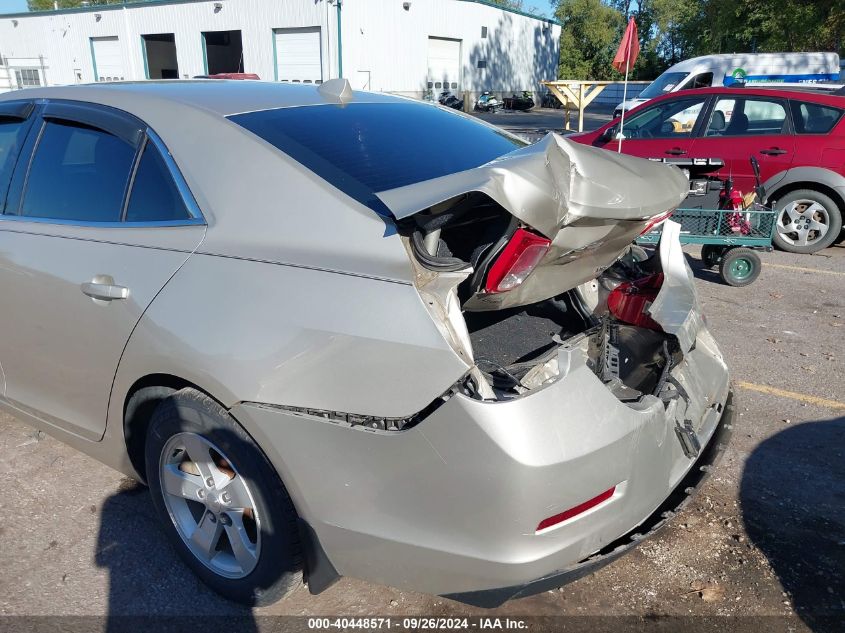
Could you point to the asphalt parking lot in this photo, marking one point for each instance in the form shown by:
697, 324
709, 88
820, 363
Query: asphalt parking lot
765, 536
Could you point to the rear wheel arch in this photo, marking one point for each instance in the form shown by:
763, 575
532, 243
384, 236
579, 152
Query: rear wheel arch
827, 190
140, 403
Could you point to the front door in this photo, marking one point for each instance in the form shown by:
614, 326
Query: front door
663, 130
93, 229
742, 127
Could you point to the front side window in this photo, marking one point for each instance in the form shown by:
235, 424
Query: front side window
814, 118
671, 119
747, 117
77, 173
154, 196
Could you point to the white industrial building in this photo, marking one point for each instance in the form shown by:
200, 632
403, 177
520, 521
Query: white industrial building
415, 48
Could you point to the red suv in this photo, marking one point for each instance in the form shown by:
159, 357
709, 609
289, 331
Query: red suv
797, 136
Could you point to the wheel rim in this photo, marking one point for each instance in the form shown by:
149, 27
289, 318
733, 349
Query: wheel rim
741, 268
210, 505
803, 222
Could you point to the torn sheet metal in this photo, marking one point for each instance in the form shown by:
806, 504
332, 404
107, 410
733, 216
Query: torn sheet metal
589, 202
554, 182
676, 307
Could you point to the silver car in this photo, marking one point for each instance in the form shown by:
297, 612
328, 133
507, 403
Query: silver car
343, 333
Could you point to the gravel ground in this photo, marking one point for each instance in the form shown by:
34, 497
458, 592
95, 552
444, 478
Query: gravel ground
765, 537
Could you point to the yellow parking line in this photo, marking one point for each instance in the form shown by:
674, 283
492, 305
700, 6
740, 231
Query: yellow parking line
801, 397
804, 270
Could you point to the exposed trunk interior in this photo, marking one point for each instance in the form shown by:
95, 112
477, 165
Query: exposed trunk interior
515, 349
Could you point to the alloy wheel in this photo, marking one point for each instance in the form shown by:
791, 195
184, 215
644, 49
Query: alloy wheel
210, 504
803, 222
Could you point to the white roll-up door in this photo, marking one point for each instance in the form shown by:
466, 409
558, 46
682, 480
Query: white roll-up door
444, 63
108, 59
298, 56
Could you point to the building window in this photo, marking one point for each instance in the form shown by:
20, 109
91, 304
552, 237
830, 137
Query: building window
483, 32
27, 77
482, 63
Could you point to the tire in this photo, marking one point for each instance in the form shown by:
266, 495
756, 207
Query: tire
739, 267
806, 206
710, 255
261, 562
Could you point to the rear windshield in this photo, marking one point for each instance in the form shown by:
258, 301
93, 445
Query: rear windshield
364, 148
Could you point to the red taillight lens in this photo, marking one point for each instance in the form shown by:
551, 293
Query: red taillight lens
629, 301
520, 256
656, 220
583, 507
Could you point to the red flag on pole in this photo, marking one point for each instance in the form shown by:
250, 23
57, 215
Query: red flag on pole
629, 48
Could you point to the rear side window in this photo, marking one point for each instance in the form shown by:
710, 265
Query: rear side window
814, 118
12, 134
747, 117
154, 197
77, 173
364, 148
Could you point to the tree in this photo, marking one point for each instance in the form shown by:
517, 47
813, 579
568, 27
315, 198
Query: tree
589, 37
47, 5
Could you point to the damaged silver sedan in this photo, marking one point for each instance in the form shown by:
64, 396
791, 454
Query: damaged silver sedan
342, 333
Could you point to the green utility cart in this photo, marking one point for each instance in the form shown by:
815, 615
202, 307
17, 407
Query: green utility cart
729, 239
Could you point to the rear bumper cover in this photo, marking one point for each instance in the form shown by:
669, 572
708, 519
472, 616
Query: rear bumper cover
674, 504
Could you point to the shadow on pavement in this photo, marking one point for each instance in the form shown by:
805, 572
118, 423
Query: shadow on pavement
146, 577
792, 499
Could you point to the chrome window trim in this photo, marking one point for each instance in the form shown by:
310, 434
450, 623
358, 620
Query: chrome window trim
103, 225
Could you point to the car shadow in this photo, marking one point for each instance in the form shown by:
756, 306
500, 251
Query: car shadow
148, 582
792, 498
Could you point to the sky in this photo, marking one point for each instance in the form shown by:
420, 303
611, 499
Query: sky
12, 6
540, 7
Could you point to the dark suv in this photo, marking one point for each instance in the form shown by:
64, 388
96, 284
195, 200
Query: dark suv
797, 136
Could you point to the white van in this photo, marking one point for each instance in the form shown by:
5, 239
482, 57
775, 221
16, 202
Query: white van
725, 70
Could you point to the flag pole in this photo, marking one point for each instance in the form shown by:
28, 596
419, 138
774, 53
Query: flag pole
620, 135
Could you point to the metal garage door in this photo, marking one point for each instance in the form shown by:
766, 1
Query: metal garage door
107, 58
444, 64
298, 57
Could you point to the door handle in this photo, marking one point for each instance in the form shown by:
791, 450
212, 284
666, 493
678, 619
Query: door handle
773, 151
103, 289
676, 151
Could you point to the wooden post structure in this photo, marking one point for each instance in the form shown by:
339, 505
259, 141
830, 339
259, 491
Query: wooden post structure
577, 94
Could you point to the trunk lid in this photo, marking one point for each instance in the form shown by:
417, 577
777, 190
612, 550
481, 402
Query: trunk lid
590, 203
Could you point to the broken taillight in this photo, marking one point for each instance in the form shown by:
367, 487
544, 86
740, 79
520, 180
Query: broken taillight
657, 219
629, 301
519, 257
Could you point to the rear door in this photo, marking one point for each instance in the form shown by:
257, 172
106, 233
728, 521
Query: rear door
741, 127
16, 119
96, 221
662, 130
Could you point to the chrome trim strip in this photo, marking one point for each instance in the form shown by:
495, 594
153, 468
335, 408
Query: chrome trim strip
101, 225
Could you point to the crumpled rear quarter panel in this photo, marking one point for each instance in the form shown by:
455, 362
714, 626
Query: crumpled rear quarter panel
452, 504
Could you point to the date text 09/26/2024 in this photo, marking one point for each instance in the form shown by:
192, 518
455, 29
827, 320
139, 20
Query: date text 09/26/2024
417, 623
